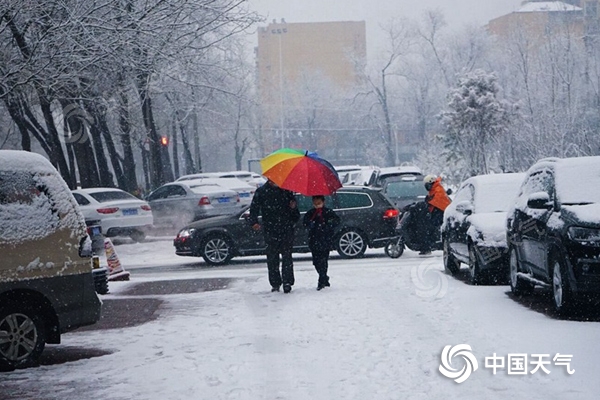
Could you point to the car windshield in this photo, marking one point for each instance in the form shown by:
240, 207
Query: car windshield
405, 188
578, 181
497, 195
103, 197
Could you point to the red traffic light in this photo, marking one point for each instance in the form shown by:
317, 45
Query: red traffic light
164, 141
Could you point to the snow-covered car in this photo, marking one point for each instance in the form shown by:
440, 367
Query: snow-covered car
553, 230
179, 203
473, 231
117, 212
46, 282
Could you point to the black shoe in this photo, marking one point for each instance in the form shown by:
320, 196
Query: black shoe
321, 286
275, 289
287, 288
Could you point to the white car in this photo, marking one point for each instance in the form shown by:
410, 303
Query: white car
243, 189
118, 213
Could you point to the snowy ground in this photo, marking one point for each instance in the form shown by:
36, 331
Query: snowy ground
377, 333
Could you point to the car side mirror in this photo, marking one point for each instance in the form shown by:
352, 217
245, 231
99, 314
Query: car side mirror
539, 201
465, 207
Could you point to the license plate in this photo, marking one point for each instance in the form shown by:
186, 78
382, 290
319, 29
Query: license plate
244, 194
95, 230
223, 200
130, 211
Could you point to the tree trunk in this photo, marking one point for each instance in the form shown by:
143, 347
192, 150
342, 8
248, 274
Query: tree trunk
57, 156
197, 142
174, 148
130, 178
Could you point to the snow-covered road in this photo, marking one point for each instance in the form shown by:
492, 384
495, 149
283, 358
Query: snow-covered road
377, 333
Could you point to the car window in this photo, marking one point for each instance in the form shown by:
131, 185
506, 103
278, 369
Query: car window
81, 200
160, 193
26, 210
353, 200
540, 181
176, 191
396, 189
103, 197
465, 193
304, 203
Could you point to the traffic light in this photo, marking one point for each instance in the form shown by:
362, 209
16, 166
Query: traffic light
164, 141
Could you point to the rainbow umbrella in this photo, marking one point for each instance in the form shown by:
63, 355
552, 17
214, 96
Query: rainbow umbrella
301, 171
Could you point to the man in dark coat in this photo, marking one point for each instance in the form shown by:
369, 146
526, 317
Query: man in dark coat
320, 222
279, 216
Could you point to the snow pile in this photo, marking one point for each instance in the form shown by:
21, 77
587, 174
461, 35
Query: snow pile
548, 6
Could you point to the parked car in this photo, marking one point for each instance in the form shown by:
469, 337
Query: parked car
368, 219
344, 170
404, 189
46, 282
381, 175
179, 203
553, 230
243, 189
473, 231
359, 177
117, 212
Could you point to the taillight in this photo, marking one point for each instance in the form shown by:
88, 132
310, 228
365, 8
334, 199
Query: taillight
204, 201
110, 210
146, 207
390, 213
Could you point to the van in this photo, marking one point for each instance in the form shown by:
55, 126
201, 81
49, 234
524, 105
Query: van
46, 282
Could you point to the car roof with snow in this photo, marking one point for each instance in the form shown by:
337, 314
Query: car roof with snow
17, 160
495, 192
97, 190
404, 169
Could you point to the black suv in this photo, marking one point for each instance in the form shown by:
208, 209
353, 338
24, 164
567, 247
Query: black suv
554, 230
368, 219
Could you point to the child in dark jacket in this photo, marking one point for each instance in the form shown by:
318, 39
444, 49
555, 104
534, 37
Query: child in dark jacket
320, 222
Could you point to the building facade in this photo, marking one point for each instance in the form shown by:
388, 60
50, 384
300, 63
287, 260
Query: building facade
289, 52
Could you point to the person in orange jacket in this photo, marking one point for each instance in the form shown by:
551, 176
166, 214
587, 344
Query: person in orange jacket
437, 200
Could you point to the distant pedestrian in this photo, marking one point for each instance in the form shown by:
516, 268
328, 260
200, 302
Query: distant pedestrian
320, 222
280, 214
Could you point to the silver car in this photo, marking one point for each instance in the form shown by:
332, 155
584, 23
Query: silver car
179, 203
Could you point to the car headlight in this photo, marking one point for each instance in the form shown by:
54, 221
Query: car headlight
585, 235
185, 233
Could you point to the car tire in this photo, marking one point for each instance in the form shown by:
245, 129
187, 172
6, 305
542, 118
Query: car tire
22, 336
451, 263
395, 248
561, 292
476, 275
519, 286
216, 250
351, 244
137, 236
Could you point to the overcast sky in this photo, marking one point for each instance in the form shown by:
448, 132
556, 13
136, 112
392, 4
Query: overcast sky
457, 12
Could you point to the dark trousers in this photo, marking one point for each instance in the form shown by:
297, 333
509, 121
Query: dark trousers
320, 261
275, 246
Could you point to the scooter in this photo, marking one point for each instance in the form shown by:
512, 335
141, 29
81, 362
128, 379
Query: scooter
413, 232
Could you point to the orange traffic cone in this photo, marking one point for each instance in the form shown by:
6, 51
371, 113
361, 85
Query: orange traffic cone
116, 272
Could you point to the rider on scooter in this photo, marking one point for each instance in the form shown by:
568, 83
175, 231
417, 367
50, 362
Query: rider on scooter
437, 200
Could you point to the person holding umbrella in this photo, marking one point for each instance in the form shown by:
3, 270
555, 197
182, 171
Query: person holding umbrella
279, 216
288, 171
